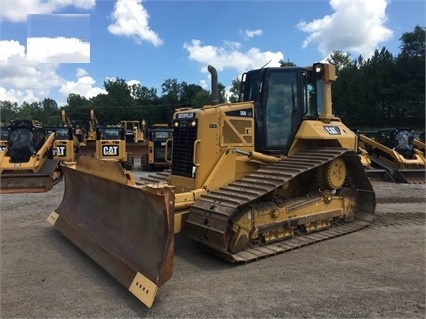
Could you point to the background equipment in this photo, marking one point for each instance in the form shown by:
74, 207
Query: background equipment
28, 165
158, 155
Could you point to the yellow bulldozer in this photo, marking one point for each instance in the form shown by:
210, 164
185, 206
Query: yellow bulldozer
27, 164
66, 147
134, 131
111, 146
273, 172
158, 155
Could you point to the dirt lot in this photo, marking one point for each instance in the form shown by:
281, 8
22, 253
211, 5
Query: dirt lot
378, 272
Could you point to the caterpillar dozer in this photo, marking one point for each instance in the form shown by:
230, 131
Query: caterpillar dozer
134, 131
393, 150
158, 155
111, 146
28, 165
66, 147
273, 172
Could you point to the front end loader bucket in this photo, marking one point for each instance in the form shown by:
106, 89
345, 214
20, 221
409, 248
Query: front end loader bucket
30, 182
127, 230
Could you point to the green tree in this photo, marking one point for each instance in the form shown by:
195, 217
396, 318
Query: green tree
172, 91
8, 112
189, 93
410, 80
235, 90
144, 95
78, 108
119, 102
340, 60
286, 63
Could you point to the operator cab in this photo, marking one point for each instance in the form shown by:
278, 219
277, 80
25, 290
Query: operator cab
398, 139
25, 139
284, 97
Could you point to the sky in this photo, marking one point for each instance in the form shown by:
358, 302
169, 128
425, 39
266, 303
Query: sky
52, 48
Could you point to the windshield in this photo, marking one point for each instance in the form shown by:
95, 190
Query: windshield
312, 96
281, 102
4, 134
61, 134
110, 134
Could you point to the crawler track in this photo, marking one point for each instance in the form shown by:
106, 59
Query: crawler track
209, 218
221, 205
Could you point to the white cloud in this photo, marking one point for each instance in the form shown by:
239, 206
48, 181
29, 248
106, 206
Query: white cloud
23, 80
11, 49
131, 82
84, 86
222, 58
253, 33
58, 50
16, 96
17, 10
80, 72
130, 19
355, 26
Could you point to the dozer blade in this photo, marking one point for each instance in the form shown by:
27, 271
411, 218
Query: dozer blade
127, 230
29, 182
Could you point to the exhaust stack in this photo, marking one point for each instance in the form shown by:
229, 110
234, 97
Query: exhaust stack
215, 95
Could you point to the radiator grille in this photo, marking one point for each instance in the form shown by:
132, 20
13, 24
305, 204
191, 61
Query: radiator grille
183, 150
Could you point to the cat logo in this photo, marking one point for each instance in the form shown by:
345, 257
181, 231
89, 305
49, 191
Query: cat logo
110, 150
3, 148
60, 151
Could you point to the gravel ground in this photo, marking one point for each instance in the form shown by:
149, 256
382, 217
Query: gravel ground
378, 272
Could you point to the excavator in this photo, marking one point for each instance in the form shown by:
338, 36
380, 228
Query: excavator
27, 165
268, 174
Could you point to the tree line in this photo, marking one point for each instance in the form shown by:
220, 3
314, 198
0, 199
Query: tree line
381, 91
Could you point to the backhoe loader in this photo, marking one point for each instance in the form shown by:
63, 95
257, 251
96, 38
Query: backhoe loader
27, 165
273, 172
393, 150
78, 130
